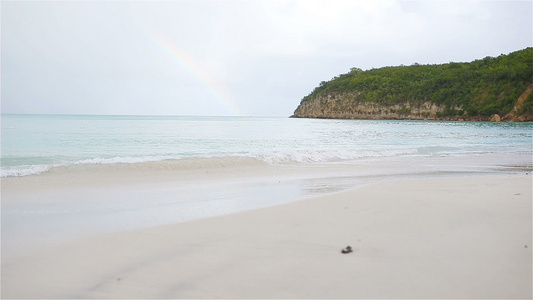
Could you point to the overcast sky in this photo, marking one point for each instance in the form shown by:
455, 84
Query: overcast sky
229, 57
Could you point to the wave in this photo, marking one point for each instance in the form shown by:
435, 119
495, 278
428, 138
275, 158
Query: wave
24, 170
206, 161
324, 156
269, 157
123, 160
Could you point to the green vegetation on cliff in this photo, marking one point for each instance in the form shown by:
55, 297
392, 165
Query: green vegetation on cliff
480, 88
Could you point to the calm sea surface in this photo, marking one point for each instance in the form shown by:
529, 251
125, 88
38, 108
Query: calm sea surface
33, 144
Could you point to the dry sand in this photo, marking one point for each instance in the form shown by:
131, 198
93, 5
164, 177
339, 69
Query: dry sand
426, 238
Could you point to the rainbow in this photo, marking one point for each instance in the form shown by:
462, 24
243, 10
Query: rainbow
187, 62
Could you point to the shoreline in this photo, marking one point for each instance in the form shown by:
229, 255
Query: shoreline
69, 202
237, 167
418, 238
472, 119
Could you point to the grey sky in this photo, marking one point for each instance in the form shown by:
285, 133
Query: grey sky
229, 57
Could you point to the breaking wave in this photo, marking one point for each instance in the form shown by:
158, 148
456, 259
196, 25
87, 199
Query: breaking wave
208, 161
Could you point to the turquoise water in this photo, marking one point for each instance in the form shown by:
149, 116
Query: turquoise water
33, 144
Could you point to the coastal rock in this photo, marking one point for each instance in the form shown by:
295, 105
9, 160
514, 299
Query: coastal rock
336, 105
515, 115
348, 106
495, 118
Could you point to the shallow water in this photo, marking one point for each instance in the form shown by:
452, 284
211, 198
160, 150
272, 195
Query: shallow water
32, 144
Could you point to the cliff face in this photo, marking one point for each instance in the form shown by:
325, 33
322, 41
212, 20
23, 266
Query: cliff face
517, 114
347, 106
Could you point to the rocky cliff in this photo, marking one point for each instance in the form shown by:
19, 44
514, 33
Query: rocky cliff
347, 106
518, 114
489, 89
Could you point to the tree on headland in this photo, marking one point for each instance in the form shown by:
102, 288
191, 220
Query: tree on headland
483, 87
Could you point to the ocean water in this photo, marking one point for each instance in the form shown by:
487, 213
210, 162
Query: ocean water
33, 144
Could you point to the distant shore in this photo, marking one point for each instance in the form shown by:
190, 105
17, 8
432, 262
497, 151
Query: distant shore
421, 238
475, 91
399, 117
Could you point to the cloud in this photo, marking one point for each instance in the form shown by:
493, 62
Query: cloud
260, 56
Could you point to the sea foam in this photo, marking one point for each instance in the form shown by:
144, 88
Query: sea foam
210, 161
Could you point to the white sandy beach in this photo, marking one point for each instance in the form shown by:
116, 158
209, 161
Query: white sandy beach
463, 237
